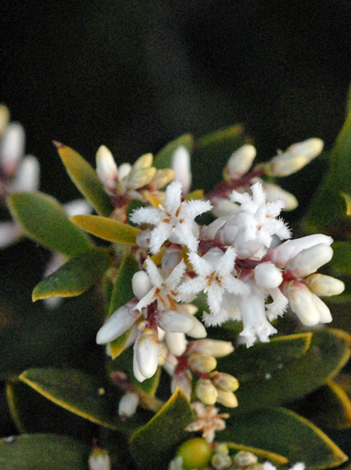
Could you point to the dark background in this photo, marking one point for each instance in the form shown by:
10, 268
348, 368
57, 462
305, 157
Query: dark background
135, 74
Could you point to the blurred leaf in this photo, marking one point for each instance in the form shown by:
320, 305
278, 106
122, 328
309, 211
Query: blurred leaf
75, 276
211, 154
154, 445
163, 159
121, 294
33, 413
341, 261
274, 385
347, 199
195, 195
284, 432
254, 363
43, 219
42, 452
328, 407
86, 179
107, 229
74, 390
262, 454
327, 209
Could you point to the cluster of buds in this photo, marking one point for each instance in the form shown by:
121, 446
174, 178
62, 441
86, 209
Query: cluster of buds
240, 261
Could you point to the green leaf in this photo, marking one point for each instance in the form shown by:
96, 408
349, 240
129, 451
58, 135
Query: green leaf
163, 159
254, 363
211, 154
328, 407
75, 276
284, 432
341, 262
74, 390
85, 178
347, 199
154, 445
107, 229
327, 210
42, 452
43, 219
328, 353
262, 454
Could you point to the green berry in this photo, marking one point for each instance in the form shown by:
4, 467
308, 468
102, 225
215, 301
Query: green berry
196, 453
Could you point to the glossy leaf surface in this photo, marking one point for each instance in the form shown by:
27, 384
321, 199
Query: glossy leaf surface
86, 179
107, 229
44, 220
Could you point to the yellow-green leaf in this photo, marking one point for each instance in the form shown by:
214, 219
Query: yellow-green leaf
43, 219
347, 199
154, 445
75, 276
261, 454
42, 452
74, 390
85, 178
163, 159
284, 432
107, 229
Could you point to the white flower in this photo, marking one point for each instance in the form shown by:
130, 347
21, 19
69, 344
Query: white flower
255, 223
174, 221
215, 278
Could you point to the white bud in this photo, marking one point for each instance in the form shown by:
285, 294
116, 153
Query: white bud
224, 381
147, 352
206, 391
170, 320
240, 161
106, 168
324, 286
198, 331
307, 306
182, 380
99, 460
141, 284
143, 239
9, 233
310, 148
27, 176
176, 342
227, 399
244, 458
12, 148
128, 404
309, 260
275, 192
214, 347
268, 276
77, 207
117, 324
181, 166
124, 170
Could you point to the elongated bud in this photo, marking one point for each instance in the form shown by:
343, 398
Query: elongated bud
106, 168
27, 176
141, 284
310, 148
240, 162
176, 342
12, 148
224, 381
268, 276
198, 331
139, 178
181, 166
128, 404
99, 460
308, 261
162, 177
324, 286
227, 399
147, 352
117, 324
170, 320
201, 362
215, 348
308, 307
145, 161
206, 391
275, 192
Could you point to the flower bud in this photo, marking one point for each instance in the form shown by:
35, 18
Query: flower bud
240, 162
227, 399
117, 324
198, 331
124, 170
206, 391
309, 260
171, 320
162, 177
99, 460
176, 342
244, 458
128, 404
106, 169
268, 276
141, 284
183, 380
27, 176
220, 460
201, 362
310, 148
145, 161
139, 178
224, 381
12, 148
215, 348
275, 192
181, 166
147, 352
324, 286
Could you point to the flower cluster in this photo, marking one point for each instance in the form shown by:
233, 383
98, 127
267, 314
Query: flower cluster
244, 262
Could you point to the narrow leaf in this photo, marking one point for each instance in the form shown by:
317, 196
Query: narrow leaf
261, 454
75, 276
74, 390
347, 199
43, 219
163, 159
107, 229
42, 452
284, 432
154, 445
86, 179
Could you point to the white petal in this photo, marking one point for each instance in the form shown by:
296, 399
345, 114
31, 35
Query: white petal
173, 197
27, 176
12, 148
117, 324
